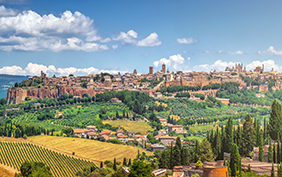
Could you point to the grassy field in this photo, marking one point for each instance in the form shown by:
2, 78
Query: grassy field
202, 128
89, 149
130, 126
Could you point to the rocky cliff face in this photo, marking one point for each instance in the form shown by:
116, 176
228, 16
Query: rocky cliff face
18, 95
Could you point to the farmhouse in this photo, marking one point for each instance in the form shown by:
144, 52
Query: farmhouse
122, 138
157, 147
91, 135
79, 132
91, 128
167, 140
176, 128
119, 132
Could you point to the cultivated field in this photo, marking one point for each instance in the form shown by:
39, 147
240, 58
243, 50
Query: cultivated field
130, 126
14, 153
89, 149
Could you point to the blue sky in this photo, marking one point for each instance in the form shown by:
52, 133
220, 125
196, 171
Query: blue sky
82, 37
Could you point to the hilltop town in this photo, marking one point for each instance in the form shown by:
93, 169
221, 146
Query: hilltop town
51, 87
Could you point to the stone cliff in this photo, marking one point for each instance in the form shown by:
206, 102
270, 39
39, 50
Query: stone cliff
18, 95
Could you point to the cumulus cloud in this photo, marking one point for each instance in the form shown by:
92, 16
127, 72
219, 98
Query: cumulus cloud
188, 58
218, 65
271, 50
239, 52
115, 46
187, 40
150, 41
174, 61
29, 31
106, 40
268, 65
127, 38
35, 69
7, 12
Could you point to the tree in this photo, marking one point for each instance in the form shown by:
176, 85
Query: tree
261, 152
177, 153
140, 169
101, 165
229, 135
249, 168
205, 151
248, 137
115, 165
124, 162
235, 160
35, 169
275, 120
270, 153
196, 152
272, 171
129, 162
217, 145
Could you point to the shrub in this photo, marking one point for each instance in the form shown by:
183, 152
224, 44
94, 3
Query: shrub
199, 164
24, 137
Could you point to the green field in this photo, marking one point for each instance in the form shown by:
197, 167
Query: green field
130, 126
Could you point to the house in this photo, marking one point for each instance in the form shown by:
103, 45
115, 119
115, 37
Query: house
91, 128
107, 133
160, 172
79, 132
176, 128
131, 134
119, 132
157, 147
91, 135
177, 174
138, 137
167, 140
122, 138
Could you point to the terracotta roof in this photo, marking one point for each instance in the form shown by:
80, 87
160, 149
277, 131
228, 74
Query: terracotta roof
79, 130
122, 136
178, 174
169, 137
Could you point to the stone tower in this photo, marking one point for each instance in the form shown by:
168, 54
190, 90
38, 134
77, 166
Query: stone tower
163, 68
151, 70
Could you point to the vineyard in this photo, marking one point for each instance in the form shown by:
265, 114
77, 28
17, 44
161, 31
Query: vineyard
14, 153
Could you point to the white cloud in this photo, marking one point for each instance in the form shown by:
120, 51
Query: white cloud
268, 65
187, 40
105, 40
174, 61
271, 50
35, 69
151, 40
188, 58
126, 38
29, 31
7, 12
220, 51
115, 46
219, 65
239, 52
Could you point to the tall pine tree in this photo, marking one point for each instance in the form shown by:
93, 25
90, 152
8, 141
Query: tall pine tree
275, 120
261, 152
270, 153
235, 160
228, 135
248, 136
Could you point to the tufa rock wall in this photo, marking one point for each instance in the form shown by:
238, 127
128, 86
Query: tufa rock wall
18, 95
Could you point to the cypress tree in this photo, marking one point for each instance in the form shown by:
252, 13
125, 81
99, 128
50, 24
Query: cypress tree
222, 142
196, 152
171, 157
278, 151
270, 153
229, 135
123, 113
129, 162
258, 135
224, 163
248, 136
205, 151
101, 165
115, 165
272, 171
229, 169
124, 162
274, 153
249, 168
217, 145
168, 119
275, 120
264, 129
177, 153
235, 160
239, 138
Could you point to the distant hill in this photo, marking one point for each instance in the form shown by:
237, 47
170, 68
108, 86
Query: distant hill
7, 81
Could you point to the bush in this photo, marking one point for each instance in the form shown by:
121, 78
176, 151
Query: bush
24, 137
199, 164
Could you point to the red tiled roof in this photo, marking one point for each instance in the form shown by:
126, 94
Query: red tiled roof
122, 136
79, 130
